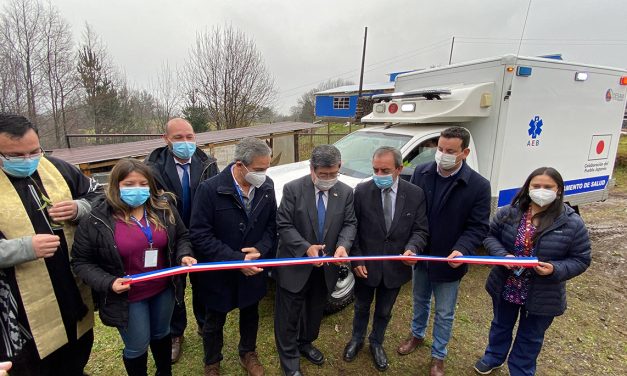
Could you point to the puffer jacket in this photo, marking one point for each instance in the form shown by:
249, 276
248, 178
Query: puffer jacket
565, 244
97, 261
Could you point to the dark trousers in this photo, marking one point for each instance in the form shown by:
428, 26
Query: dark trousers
213, 332
528, 341
69, 360
364, 295
297, 318
179, 316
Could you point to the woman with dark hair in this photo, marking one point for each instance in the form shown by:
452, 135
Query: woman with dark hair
135, 229
536, 224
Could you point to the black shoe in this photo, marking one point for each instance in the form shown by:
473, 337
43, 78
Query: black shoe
379, 357
485, 369
136, 366
351, 350
312, 354
294, 373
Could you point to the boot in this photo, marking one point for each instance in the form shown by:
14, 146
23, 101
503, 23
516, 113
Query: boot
161, 353
136, 366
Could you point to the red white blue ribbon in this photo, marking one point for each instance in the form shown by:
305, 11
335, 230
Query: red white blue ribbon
520, 262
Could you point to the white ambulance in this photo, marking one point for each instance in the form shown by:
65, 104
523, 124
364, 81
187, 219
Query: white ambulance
522, 113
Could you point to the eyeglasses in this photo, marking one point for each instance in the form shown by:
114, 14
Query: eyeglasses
36, 154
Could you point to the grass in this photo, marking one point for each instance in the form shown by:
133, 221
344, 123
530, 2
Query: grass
589, 339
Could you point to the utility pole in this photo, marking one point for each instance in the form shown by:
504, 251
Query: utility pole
363, 61
450, 58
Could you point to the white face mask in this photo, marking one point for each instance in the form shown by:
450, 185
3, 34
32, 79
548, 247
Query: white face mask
542, 197
445, 161
324, 185
255, 178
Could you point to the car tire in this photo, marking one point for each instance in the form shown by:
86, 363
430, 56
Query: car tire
344, 292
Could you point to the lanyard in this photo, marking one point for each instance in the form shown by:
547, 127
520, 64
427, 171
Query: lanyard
145, 229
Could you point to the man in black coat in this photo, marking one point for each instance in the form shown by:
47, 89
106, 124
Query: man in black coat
234, 218
458, 209
316, 218
179, 168
391, 220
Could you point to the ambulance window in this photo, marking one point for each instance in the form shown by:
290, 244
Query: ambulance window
423, 153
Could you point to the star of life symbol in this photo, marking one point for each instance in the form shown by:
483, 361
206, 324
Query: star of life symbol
535, 127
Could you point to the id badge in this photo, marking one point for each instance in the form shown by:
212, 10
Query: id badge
150, 258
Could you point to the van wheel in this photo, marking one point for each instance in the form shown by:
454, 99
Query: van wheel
343, 294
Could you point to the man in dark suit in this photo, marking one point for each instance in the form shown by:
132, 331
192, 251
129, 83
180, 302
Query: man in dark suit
391, 220
234, 218
458, 209
315, 218
179, 168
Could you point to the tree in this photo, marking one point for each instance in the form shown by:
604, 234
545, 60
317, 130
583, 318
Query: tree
23, 45
305, 109
166, 91
196, 113
230, 76
96, 78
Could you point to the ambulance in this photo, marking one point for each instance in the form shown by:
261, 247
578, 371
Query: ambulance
522, 113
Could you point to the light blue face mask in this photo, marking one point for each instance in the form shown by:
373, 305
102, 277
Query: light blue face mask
184, 149
383, 181
134, 196
20, 167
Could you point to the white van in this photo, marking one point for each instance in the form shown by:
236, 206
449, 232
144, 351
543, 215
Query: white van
522, 113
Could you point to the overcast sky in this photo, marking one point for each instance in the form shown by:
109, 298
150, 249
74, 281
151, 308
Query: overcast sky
307, 42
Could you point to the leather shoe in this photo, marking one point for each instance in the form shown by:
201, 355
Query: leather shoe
294, 373
312, 354
177, 346
351, 350
379, 357
437, 367
409, 345
212, 369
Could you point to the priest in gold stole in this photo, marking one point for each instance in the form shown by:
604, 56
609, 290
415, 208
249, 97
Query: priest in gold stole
46, 314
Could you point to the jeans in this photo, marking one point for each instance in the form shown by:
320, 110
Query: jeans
528, 342
445, 294
148, 319
364, 295
213, 332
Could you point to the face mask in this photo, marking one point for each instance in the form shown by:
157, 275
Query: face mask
383, 181
445, 161
20, 167
324, 185
183, 149
134, 196
255, 178
542, 196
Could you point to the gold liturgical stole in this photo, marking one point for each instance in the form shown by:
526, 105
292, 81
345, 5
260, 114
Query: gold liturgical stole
33, 280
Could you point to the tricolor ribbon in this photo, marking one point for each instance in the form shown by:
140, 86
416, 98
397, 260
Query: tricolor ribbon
524, 262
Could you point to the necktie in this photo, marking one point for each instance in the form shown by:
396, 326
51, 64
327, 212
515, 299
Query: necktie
187, 199
387, 208
321, 215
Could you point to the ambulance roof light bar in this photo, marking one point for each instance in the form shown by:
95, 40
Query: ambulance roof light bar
428, 94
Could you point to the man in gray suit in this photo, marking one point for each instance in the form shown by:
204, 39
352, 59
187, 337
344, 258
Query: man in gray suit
315, 218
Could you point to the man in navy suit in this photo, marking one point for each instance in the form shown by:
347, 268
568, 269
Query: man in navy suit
179, 168
458, 209
391, 220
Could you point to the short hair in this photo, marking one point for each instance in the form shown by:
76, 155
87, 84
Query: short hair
250, 148
325, 156
15, 125
398, 158
457, 132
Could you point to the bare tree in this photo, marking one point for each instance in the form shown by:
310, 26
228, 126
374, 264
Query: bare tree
166, 90
22, 37
230, 75
59, 70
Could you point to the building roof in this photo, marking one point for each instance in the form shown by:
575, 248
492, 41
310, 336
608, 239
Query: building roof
100, 153
355, 88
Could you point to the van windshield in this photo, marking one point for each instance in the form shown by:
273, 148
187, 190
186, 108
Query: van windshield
357, 149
